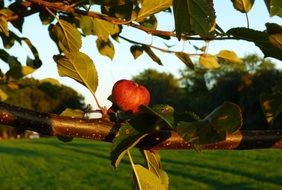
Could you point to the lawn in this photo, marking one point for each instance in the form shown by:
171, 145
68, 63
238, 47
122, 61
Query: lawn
83, 164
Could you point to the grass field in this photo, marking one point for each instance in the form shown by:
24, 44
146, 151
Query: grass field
84, 164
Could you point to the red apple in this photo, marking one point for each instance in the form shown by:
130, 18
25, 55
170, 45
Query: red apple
129, 96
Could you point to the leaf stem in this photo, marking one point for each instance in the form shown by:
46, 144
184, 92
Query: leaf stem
55, 16
134, 170
247, 18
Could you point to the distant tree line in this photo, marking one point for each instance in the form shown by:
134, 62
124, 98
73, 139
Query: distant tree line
201, 90
44, 96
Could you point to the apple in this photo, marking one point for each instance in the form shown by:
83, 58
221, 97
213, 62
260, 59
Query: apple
129, 95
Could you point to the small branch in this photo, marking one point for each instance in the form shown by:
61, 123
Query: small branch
155, 47
103, 130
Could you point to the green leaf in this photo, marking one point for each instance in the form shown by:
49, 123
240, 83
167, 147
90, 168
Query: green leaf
146, 179
106, 48
151, 7
3, 95
185, 58
275, 34
104, 28
271, 105
164, 112
36, 62
86, 25
151, 54
208, 61
259, 38
224, 119
126, 139
193, 17
136, 51
153, 163
67, 36
228, 56
274, 7
243, 6
79, 67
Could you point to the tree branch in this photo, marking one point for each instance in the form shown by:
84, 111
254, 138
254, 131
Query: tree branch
60, 6
103, 130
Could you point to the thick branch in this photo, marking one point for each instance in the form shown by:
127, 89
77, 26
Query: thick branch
102, 130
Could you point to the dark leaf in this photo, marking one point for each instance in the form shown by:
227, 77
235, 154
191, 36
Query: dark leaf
164, 112
136, 51
274, 7
275, 34
151, 54
271, 105
259, 38
193, 17
36, 62
185, 58
45, 17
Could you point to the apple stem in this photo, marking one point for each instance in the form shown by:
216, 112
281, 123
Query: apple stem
103, 110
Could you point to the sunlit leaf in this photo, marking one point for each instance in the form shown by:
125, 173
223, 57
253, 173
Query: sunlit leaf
185, 58
193, 17
105, 48
229, 56
136, 51
26, 70
151, 7
275, 34
259, 38
145, 179
67, 36
126, 139
4, 26
79, 67
3, 95
154, 165
271, 105
51, 81
151, 54
208, 61
243, 6
86, 25
104, 28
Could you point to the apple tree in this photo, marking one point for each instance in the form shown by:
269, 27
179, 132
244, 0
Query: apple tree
149, 128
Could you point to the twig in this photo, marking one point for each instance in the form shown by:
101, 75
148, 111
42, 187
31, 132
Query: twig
104, 130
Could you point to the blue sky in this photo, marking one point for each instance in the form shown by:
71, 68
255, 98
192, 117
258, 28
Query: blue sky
123, 65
